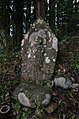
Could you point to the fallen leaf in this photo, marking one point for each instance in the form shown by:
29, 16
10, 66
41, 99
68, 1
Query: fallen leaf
52, 107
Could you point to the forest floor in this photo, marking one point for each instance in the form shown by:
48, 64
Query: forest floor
67, 101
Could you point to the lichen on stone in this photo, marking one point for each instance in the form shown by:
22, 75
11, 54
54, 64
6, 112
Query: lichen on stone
44, 41
26, 36
39, 21
39, 52
54, 60
29, 55
47, 60
24, 100
45, 54
54, 44
22, 43
41, 33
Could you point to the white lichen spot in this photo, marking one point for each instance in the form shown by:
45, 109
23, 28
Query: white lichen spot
22, 43
45, 54
26, 36
40, 41
30, 24
33, 25
44, 41
41, 69
45, 46
52, 57
23, 71
24, 100
41, 33
55, 44
50, 40
45, 29
32, 43
29, 55
49, 48
21, 89
33, 38
47, 60
49, 33
39, 21
34, 50
42, 51
54, 60
22, 64
22, 49
56, 50
29, 51
35, 29
34, 57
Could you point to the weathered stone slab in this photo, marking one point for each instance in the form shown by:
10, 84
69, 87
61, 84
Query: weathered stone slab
35, 94
39, 52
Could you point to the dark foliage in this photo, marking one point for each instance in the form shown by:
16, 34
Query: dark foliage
16, 16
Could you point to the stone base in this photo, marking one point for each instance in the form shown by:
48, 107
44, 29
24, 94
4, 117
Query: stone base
35, 94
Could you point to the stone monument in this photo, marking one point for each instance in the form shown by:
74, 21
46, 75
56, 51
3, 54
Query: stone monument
39, 52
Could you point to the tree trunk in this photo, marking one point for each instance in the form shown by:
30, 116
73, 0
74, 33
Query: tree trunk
52, 14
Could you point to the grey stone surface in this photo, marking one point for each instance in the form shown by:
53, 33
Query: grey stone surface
66, 83
31, 95
39, 52
74, 86
23, 99
46, 101
63, 82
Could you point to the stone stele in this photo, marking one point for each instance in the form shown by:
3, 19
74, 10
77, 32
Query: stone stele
39, 52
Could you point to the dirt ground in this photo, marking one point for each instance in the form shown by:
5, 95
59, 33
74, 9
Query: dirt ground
67, 65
